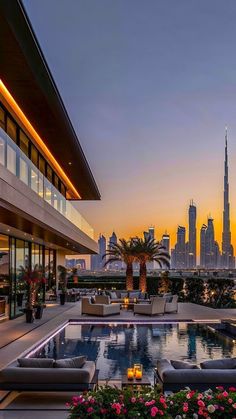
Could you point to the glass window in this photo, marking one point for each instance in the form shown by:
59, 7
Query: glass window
11, 159
34, 180
49, 173
56, 181
63, 189
2, 118
24, 143
4, 274
34, 155
11, 129
2, 150
42, 165
23, 171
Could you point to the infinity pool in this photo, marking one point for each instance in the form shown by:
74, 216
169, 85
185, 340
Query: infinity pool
115, 347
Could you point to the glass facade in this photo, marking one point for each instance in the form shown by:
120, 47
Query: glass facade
15, 257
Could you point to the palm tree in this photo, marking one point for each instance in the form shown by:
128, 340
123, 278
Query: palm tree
122, 251
149, 250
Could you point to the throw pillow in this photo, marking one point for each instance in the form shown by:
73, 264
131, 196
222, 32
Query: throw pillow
76, 362
182, 365
35, 362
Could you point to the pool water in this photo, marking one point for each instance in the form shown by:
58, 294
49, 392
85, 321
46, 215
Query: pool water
115, 347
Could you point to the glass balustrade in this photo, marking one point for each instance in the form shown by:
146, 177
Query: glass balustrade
18, 163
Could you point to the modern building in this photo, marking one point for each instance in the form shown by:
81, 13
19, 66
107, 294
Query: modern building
166, 242
43, 169
209, 248
203, 246
115, 266
150, 234
178, 260
97, 261
227, 257
192, 234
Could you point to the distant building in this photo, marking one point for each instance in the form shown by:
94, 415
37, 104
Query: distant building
166, 242
76, 263
227, 258
150, 234
203, 246
192, 242
209, 248
97, 261
179, 253
116, 266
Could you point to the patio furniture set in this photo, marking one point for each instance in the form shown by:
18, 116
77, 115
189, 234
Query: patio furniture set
105, 305
39, 374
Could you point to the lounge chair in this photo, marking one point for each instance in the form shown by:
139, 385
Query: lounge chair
100, 310
157, 306
102, 299
171, 304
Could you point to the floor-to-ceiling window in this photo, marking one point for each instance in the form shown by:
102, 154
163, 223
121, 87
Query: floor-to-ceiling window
4, 275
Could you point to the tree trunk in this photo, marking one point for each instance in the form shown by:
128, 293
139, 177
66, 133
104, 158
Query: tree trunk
143, 277
129, 277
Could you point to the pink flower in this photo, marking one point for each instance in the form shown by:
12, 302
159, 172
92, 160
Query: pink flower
133, 399
234, 405
230, 401
225, 393
220, 388
150, 403
201, 403
154, 411
233, 389
162, 400
90, 410
185, 408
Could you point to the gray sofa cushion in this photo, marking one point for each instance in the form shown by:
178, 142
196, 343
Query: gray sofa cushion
76, 362
35, 362
123, 294
163, 366
182, 365
222, 364
113, 295
134, 294
48, 375
200, 376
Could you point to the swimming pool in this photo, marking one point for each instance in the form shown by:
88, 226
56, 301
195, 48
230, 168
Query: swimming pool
115, 347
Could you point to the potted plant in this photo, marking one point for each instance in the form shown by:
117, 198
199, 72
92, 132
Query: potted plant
62, 283
34, 280
74, 275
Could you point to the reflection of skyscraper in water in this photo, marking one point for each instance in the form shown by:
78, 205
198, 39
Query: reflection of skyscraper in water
192, 347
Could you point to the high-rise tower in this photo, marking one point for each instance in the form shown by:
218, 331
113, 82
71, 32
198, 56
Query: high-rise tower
227, 258
191, 256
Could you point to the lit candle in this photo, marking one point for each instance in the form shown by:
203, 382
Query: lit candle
138, 374
130, 373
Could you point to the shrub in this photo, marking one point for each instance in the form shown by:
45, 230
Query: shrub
194, 290
110, 403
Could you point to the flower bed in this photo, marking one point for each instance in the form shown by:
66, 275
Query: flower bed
109, 403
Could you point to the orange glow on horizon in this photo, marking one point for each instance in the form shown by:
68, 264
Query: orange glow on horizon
11, 101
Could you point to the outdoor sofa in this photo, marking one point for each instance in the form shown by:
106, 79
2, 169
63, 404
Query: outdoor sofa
118, 296
30, 374
101, 310
171, 303
156, 306
176, 375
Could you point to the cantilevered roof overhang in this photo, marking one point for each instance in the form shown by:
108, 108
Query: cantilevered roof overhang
25, 73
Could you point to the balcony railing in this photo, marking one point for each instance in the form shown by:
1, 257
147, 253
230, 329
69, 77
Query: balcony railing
22, 167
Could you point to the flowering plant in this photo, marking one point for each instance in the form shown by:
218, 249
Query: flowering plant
34, 280
110, 403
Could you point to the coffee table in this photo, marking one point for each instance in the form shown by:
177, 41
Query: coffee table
135, 384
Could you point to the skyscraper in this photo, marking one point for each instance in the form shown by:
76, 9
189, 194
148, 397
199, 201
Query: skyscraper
97, 261
166, 242
150, 234
227, 258
114, 265
191, 250
180, 249
203, 246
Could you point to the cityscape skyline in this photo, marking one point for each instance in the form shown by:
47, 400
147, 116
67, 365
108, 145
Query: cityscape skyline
165, 113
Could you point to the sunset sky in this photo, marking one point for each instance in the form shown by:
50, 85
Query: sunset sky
149, 86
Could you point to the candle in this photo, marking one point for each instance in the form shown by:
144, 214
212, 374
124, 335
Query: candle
130, 373
138, 374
